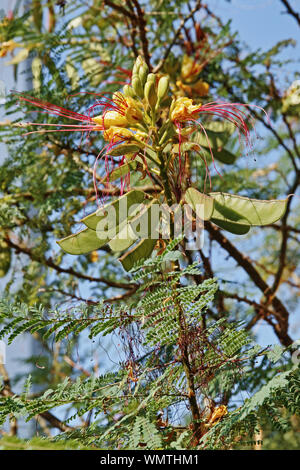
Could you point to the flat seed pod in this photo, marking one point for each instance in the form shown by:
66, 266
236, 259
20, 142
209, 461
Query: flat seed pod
140, 251
201, 204
82, 242
246, 211
131, 198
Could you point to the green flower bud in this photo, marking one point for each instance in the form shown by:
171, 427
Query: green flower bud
150, 94
143, 73
151, 78
137, 65
128, 91
137, 86
163, 87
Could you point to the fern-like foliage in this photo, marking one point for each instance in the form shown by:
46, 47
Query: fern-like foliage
166, 340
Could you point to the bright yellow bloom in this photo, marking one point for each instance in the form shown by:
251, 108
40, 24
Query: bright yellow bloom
111, 118
133, 111
184, 110
200, 88
115, 133
127, 112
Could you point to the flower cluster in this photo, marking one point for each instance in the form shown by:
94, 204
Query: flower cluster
148, 118
190, 83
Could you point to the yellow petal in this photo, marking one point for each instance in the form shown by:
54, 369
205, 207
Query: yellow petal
200, 88
111, 118
184, 109
117, 133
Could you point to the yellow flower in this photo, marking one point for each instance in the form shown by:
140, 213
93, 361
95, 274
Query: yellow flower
133, 111
115, 133
126, 112
218, 413
200, 88
186, 88
94, 256
7, 46
184, 110
189, 68
111, 118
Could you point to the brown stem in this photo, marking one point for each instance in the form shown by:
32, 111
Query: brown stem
292, 12
280, 312
50, 263
7, 392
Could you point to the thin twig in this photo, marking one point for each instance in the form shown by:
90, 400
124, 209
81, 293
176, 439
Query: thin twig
177, 34
292, 12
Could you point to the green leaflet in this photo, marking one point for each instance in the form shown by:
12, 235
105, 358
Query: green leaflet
122, 205
140, 251
205, 203
82, 242
216, 139
184, 147
224, 156
221, 127
245, 211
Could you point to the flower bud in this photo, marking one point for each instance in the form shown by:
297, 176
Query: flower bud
162, 89
128, 91
150, 94
137, 64
151, 78
137, 85
143, 73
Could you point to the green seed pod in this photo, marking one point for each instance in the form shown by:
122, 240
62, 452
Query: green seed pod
128, 91
150, 94
143, 73
162, 89
137, 86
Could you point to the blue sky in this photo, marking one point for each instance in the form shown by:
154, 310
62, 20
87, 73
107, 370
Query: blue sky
261, 23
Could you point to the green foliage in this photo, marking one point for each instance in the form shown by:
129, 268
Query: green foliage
122, 354
37, 443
